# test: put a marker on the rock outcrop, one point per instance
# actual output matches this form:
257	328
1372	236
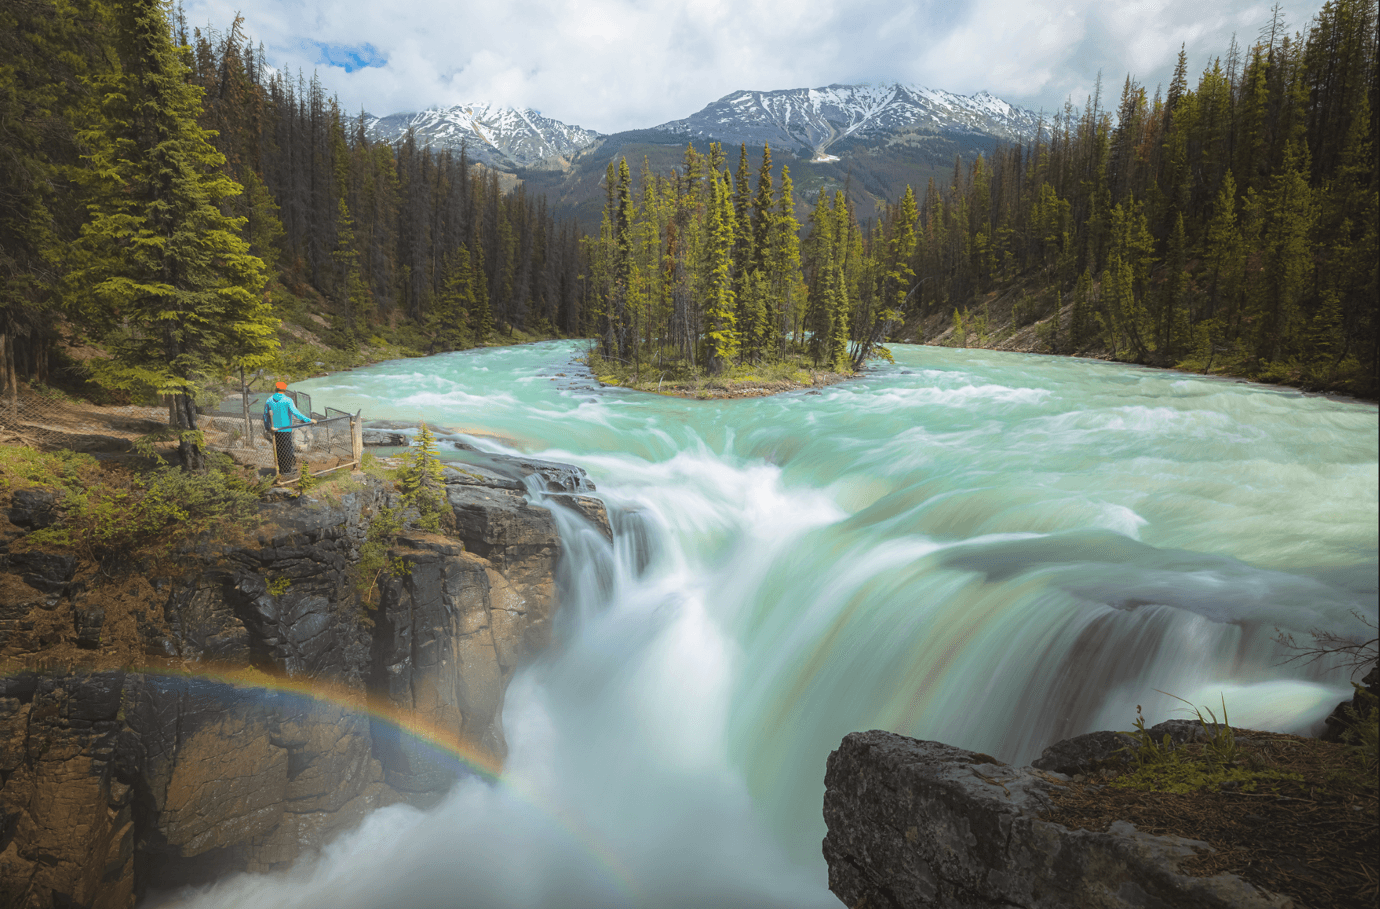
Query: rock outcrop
113	780
1340	720
923	824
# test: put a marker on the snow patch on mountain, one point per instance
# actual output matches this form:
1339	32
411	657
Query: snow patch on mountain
810	120
496	135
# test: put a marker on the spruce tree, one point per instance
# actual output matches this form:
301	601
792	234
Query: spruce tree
762	213
1172	327
1289	216
167	272
447	321
481	316
721	331
783	265
839	306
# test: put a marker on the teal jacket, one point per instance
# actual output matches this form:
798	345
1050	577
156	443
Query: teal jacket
279	411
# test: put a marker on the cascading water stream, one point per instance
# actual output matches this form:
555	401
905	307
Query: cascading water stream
996	551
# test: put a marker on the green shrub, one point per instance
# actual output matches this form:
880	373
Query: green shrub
55	470
125	514
373	563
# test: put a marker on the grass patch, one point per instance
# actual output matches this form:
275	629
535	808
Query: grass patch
1216	761
1293	815
111	516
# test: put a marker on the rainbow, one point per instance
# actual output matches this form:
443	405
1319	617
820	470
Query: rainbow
466	754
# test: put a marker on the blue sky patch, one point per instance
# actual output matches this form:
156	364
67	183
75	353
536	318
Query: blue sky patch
349	57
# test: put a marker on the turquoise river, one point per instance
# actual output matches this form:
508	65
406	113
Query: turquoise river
992	550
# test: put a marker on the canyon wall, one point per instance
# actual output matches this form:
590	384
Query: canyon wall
114	780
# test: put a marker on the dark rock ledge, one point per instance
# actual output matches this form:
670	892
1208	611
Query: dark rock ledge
922	824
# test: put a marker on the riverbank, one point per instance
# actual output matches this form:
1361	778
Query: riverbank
1022	320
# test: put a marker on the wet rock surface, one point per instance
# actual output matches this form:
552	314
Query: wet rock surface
1340	720
111	781
922	824
591	509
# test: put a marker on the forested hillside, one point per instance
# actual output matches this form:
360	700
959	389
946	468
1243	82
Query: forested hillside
1228	227
119	149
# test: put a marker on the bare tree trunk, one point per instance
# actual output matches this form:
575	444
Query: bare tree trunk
244	403
184	409
7	377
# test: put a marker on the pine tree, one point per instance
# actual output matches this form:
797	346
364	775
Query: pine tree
162	258
1289	215
1223	247
784	266
838	305
447	322
721	334
481	316
752	326
1080	321
350	296
762	214
1172	328
897	276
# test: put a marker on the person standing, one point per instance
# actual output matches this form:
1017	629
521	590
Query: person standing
278	414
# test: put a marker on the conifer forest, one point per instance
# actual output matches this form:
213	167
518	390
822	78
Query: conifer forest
173	195
1227	226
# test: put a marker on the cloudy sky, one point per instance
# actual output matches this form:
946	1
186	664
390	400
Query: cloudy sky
622	64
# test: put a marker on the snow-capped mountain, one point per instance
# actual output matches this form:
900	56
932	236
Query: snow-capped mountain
908	122
502	137
812	119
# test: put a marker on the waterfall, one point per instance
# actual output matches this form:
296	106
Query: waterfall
996	551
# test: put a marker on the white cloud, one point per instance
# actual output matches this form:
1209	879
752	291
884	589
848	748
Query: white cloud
622	64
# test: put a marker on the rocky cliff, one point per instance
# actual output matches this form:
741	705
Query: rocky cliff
923	824
112	780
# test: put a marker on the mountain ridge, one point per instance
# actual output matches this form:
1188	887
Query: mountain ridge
814	119
805	121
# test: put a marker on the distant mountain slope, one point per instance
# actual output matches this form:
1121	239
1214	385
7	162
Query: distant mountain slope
502	137
873	140
811	120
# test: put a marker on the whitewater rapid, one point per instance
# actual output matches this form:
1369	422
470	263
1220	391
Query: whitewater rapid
992	550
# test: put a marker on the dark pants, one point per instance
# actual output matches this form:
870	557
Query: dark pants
287	456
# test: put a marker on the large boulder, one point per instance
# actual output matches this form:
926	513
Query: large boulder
921	824
1340	720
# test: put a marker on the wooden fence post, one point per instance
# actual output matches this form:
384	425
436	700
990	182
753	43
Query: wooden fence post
357	440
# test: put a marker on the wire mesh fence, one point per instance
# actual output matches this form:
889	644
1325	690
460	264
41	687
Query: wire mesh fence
48	419
236	427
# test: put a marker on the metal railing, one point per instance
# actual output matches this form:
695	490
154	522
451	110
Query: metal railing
332	441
